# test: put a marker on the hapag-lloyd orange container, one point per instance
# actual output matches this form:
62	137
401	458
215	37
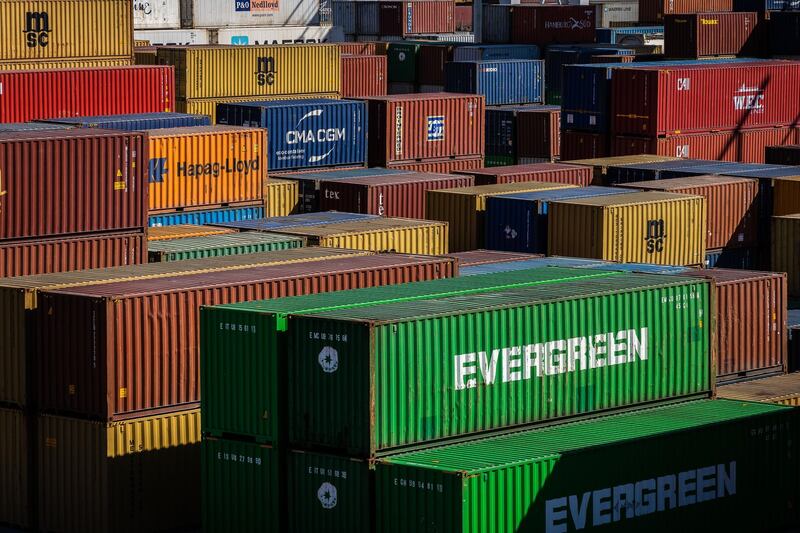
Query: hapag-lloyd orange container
206	166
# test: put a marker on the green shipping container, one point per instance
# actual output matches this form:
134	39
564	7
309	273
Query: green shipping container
243	346
367	381
401	59
219	245
710	465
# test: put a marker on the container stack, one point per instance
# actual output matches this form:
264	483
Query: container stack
388	20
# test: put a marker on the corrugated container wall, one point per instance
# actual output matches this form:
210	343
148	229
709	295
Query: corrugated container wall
543	172
182	231
583	145
142	121
504	82
363	75
414	17
212	14
247	242
786	195
15	484
212	216
494	52
654	10
543	25
208	106
617	13
785	244
157	14
282	198
368	19
711	34
66	64
783	390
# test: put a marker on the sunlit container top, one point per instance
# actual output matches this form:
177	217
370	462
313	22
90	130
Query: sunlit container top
139	121
293	221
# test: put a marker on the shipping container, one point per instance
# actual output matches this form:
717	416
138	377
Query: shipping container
653	11
560	55
464	209
463	15
518	222
783	390
345	15
219	245
32	126
402	62
543	25
210	14
140	121
600	166
415	17
542	262
158	14
136	475
412	127
98	387
616	13
617	174
364	75
391	195
793	338
208	106
15	465
40	94
640	227
174	37
360	49
494	52
786	194
440	166
431	61
741	258
496	24
225	214
784	32
145	55
259	35
785	244
501	82
294	221
603	473
282	198
182	231
487	257
203	72
42	170
711	34
305	133
731	209
583	145
54	30
65	64
775	155
369	418
368	19
579	176
767	6
620	34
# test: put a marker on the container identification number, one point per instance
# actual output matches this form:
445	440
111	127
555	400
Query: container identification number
419	485
327	472
242	328
236	458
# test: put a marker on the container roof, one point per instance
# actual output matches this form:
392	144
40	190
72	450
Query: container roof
609	200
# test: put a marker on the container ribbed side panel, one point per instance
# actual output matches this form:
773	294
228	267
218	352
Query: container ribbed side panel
14	472
13	347
460	213
282	197
363	75
786	194
430	239
785	244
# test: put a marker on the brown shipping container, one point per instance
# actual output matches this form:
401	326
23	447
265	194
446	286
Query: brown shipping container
363	75
440	166
28	257
583	145
611	59
654	10
15	501
710	34
786	195
118	350
785	244
545	25
487	257
539	133
58	182
543	172
731	209
431	59
182	231
392	195
751	322
413	127
416	17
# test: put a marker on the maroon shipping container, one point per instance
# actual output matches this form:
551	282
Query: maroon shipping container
753	143
675	99
463	16
109	351
487	257
539	133
578	175
751	322
413	127
363	76
24	258
440	166
393	195
59	182
654	10
38	94
583	145
431	59
416	17
543	25
731	209
711	34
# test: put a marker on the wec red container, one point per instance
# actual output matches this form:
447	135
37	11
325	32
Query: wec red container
38	94
416	17
363	75
440	166
580	176
413	127
584	145
115	349
711	34
675	99
24	258
545	25
654	10
58	182
392	195
753	143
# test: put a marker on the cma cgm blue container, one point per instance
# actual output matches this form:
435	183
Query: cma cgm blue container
211	216
518	222
294	221
136	122
305	133
493	52
615	35
511	81
501	129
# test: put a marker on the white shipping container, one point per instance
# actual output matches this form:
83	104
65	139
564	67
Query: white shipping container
248	13
284	35
181	37
610	14
344	15
156	14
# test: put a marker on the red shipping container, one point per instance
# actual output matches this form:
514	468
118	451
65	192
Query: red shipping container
394	195
711	34
416	17
363	76
545	25
487	257
539	133
431	59
38	94
722	146
59	182
580	176
463	16
753	143
115	349
25	258
654	10
413	127
358	49
440	166
675	99
583	145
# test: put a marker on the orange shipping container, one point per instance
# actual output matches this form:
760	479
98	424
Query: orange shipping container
786	192
206	166
363	75
785	246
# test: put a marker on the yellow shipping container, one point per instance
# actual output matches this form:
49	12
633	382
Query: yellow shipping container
208	106
400	235
641	227
228	71
786	249
139	43
786	195
48	65
784	390
14	504
464	209
136	475
182	231
206	166
600	164
47	30
282	198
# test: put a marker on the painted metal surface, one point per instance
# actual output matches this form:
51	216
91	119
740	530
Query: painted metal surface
219	245
559	56
515	266
208	106
159	14
402	61
487	52
415	17
654	10
31	126
566	174
305	133
741	258
784	35
711	34
294	221
785	244
211	216
529	131
543	25
524	481
600	166
259	35
496	24
583	145
366	361
440	166
173	37
502	82
210	14
140	121
783	390
617	174
786	194
617	13
282	198
753	143
182	231
15	482
432	60
364	75
486	257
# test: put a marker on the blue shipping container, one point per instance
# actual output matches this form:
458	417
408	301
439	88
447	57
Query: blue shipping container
518	222
501	129
305	133
610	35
512	81
494	52
294	221
136	122
211	216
